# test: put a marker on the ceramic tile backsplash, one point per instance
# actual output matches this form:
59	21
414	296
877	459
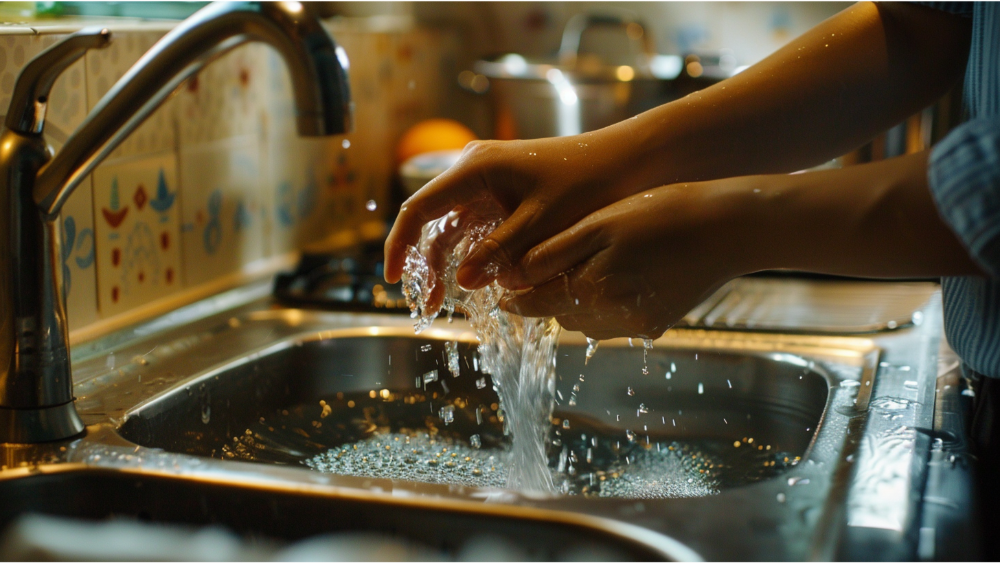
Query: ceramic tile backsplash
138	232
106	66
222	218
223	100
217	179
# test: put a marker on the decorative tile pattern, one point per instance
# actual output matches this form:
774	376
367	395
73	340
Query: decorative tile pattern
302	174
106	66
218	178
138	228
223	100
222	216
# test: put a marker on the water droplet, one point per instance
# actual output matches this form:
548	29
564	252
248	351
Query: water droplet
447	414
591	349
781	497
345	143
631	392
891	403
481	383
451	349
850	383
565	423
371	205
426	348
701	389
630	435
475	441
642	408
430	376
911	385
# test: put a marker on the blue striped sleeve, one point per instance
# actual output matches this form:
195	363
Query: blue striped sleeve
964	176
957	8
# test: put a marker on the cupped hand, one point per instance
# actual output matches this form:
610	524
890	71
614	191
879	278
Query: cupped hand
636	267
537	188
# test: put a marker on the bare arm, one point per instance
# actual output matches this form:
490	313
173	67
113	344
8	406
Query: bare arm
824	94
635	267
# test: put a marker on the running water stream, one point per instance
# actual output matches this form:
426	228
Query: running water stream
519	353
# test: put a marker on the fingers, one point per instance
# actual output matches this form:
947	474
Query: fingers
566	294
441	195
559	254
437	254
496	254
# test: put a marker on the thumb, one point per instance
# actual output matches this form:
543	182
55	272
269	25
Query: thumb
497	254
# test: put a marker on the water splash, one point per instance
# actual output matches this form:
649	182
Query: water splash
518	353
452	349
647	345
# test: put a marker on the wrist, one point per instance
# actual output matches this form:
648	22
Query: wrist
745	223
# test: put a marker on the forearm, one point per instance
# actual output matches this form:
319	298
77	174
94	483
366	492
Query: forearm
874	220
822	95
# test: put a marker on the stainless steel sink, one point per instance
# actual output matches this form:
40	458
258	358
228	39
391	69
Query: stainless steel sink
275	514
180	408
719	400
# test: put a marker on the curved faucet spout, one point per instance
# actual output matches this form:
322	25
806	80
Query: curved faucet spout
316	66
36	386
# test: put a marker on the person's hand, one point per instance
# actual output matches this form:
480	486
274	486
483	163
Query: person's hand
639	265
537	188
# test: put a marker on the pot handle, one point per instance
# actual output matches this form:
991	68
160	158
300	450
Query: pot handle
569	49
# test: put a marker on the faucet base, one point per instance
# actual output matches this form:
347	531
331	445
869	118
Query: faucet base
29	426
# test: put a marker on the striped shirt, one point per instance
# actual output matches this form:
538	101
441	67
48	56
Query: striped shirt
964	176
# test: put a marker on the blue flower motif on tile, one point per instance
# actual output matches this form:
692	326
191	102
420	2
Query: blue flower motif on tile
213	229
85	241
283	207
164	199
242	217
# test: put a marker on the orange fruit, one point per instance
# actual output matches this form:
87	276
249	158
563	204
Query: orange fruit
433	135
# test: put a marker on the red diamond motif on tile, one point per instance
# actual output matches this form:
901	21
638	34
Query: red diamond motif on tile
140	198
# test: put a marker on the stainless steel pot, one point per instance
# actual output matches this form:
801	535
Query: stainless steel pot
581	92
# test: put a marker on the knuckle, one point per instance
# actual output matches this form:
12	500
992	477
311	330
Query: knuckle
537	267
499	251
478	150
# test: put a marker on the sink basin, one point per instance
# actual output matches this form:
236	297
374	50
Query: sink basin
765	423
721	445
272	514
743	417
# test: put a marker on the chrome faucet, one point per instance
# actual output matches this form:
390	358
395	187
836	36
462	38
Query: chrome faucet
36	387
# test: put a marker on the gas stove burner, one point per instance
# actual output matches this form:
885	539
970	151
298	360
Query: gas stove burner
349	281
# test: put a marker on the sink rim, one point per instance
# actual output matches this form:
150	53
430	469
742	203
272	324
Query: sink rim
294	324
624	532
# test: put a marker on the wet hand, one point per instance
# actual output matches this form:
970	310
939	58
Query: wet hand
536	187
637	266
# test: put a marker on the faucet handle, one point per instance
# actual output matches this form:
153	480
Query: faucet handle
31	93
